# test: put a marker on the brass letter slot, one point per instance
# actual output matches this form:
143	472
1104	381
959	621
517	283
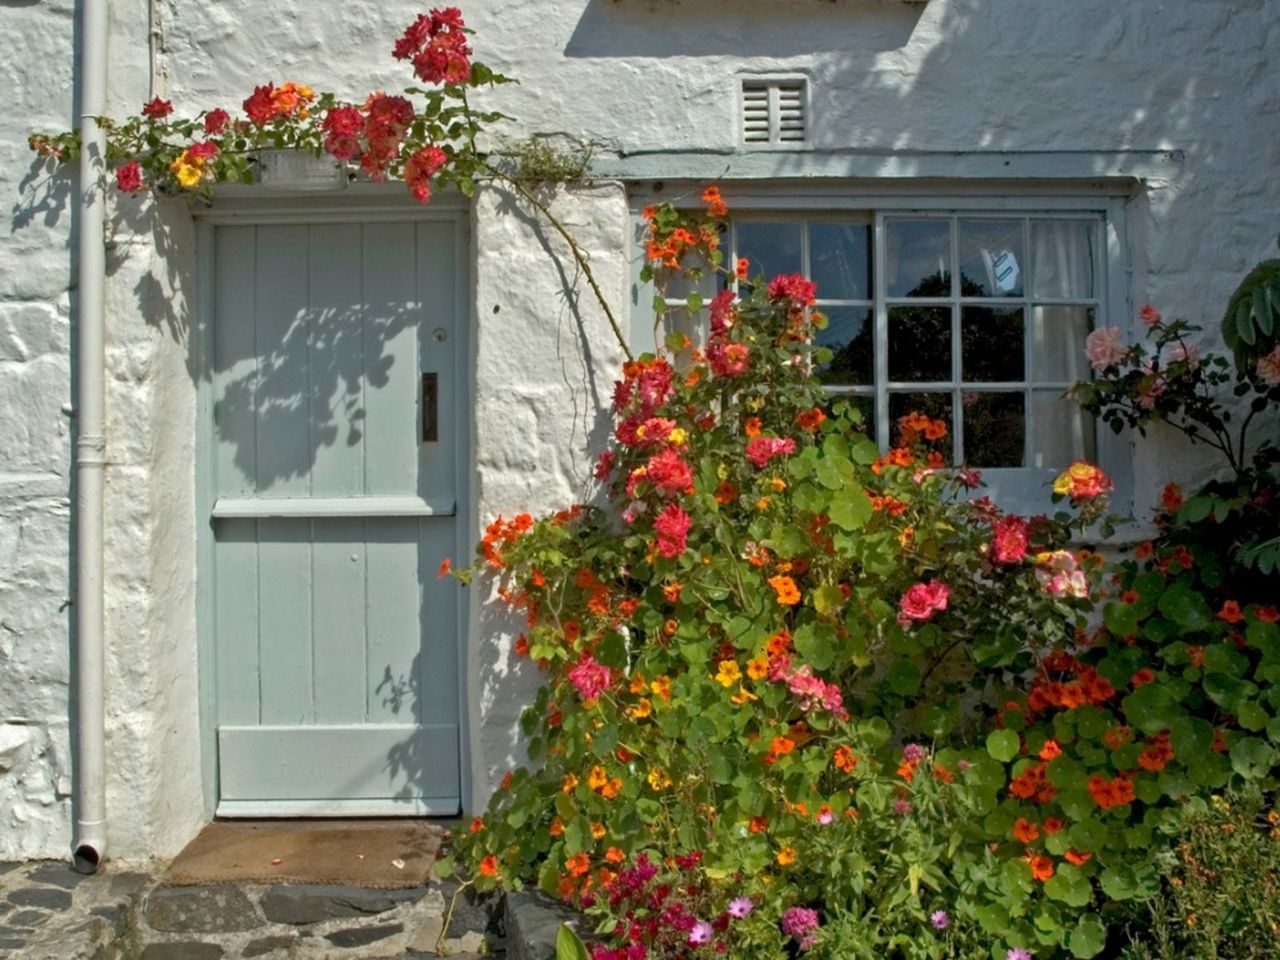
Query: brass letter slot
430	405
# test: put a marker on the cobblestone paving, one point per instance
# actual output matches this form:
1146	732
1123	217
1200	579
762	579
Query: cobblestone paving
49	912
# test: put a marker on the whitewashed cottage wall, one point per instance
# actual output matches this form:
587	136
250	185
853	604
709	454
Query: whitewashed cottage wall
1078	83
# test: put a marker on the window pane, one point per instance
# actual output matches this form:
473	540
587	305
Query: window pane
992	260
991	344
849	335
1062	258
919	343
840	259
1057	343
1063	432
994	429
934	405
918	257
678	286
772	248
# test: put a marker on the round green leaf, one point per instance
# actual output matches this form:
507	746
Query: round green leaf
1003	745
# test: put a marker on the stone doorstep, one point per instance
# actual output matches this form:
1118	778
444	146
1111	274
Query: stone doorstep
110	916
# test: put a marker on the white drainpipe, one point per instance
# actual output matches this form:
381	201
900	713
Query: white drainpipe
89	776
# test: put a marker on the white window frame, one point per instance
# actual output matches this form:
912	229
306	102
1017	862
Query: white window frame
1019	490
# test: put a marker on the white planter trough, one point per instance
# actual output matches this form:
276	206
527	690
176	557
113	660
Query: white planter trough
300	170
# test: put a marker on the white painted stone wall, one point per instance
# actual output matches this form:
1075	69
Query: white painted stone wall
634	76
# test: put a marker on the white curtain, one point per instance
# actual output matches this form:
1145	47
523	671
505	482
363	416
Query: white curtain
1062	268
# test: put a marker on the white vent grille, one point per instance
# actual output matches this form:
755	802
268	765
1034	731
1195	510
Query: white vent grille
774	111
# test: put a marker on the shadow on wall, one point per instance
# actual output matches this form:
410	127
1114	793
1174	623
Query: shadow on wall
738	28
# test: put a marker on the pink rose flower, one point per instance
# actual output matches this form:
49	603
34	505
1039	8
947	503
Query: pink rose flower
1009	544
922	600
1105	348
1268	367
760	450
1149	314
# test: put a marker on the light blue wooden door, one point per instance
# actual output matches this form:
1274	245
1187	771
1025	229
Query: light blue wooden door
334	465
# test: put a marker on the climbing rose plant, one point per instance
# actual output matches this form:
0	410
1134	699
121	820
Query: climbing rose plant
424	136
806	696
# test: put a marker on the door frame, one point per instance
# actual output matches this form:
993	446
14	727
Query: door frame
361	204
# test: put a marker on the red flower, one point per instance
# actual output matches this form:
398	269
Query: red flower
129	177
342	126
1142	677
1267	614
1230	612
793	287
202	151
419	170
215	121
1171	499
1009	543
157	109
671	526
259	105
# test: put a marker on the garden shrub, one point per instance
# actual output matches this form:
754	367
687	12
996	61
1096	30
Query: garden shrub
789	672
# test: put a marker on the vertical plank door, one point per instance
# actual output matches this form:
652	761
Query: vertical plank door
336	646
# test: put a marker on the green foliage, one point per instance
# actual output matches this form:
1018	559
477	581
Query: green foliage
1221	894
1251	323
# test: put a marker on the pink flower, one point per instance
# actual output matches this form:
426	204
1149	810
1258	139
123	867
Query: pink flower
793	287
760	450
728	359
1150	387
922	601
1105	348
671	526
591	678
801	923
1268	367
701	933
1149	314
129	177
740	907
1059	575
669	475
1183	353
1009	545
215	121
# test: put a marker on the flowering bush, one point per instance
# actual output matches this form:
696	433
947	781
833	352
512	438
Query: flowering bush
786	672
385	136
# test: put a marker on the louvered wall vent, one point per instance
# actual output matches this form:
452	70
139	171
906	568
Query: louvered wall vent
774	111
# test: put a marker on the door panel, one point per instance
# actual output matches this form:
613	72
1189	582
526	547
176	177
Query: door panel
336	646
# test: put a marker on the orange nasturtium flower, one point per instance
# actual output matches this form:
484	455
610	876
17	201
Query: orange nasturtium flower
844	759
786	856
1024	831
785	587
1041	867
578	864
489	866
570	781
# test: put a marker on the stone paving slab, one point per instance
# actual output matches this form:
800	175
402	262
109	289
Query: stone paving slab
48	912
